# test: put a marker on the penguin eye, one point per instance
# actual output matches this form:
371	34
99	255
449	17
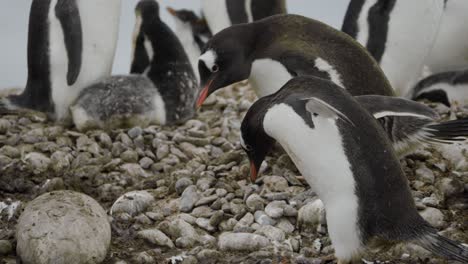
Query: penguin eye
215	68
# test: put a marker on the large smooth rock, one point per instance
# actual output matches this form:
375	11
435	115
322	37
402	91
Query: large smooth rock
63	227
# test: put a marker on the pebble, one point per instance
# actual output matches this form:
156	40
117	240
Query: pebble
242	242
5	247
4	126
188	199
271	232
254	202
135	132
132	203
143	258
312	214
450	187
156	237
37	162
206	200
425	174
205	183
286	226
209	256
162	152
146	163
433	216
275	209
275	183
205	224
45	235
263	219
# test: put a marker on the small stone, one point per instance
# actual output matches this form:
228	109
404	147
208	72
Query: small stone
37	162
433	216
254	202
129	156
155	216
204	223
206	200
313	213
162	151
450	187
132	203
4	126
272	233
263	219
10	152
105	140
135	132
241	242
245	221
221	192
44	234
275	209
143	219
185	242
286	226
209	256
425	174
188	199
216	218
5	247
134	170
156	237
143	258
146	163
202	211
182	184
205	183
275	183
60	161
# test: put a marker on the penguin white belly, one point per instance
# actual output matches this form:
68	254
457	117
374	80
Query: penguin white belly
450	50
185	35
267	76
100	24
319	155
408	43
216	15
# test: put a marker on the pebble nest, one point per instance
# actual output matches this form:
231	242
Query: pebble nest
182	194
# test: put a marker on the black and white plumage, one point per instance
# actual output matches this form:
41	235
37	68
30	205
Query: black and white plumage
410	124
71	45
273	50
161	91
399	42
449	88
222	14
347	159
193	32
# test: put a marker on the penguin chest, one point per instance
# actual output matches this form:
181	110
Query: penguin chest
267	76
320	156
216	14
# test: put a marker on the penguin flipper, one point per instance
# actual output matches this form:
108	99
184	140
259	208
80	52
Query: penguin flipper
69	16
317	106
444	247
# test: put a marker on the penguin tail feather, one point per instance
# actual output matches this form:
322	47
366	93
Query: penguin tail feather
447	132
444	247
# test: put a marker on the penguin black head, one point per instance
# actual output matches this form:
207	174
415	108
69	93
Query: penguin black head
226	59
148	10
255	142
184	15
199	25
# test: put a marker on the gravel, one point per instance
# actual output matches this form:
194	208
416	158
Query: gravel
183	195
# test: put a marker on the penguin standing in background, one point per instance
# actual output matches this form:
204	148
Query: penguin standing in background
347	159
193	33
448	88
398	33
273	50
162	89
410	124
450	50
71	45
222	14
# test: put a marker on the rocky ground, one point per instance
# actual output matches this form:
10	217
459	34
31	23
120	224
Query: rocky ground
182	194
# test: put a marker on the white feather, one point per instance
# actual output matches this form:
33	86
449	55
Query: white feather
267	76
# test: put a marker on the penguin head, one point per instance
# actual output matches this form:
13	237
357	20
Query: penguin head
186	17
148	10
183	15
226	59
254	140
437	95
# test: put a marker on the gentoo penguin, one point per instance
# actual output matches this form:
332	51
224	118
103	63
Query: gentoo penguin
446	87
273	50
410	124
450	50
193	33
163	93
398	33
348	160
71	45
221	14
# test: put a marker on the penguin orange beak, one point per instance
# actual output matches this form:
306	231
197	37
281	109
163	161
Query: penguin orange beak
253	171
204	94
172	11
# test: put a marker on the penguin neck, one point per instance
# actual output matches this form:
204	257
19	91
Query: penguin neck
189	41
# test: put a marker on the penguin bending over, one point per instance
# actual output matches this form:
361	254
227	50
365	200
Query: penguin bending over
399	34
161	91
222	14
71	45
448	88
340	149
193	33
410	124
273	50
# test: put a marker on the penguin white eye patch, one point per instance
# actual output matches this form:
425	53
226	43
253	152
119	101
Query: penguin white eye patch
209	58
